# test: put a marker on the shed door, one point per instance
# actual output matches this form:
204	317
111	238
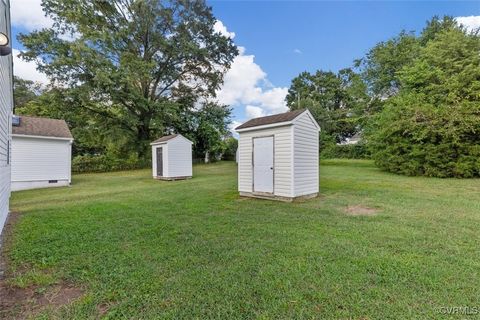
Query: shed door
159	162
263	164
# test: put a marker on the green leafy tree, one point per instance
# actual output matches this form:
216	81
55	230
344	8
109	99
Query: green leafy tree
432	127
93	134
435	26
231	148
25	91
380	65
131	63
333	99
209	129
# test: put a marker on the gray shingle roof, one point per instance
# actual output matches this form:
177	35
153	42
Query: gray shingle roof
45	127
276	118
165	138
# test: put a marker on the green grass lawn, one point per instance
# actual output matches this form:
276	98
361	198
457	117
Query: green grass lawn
143	249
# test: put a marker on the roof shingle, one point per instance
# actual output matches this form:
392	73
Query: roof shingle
276	118
165	138
45	127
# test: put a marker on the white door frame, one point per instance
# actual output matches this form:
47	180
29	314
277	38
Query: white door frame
273	165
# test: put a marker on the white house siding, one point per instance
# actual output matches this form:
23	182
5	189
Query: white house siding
179	157
35	161
6	105
282	159
305	156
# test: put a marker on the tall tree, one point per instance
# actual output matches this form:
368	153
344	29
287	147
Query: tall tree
25	91
333	99
132	62
435	26
209	129
380	65
93	134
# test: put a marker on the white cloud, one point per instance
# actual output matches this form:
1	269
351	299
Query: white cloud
29	14
254	112
27	70
297	51
471	22
221	28
246	84
240	81
233	125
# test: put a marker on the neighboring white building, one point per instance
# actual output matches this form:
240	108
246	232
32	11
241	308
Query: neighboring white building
41	153
172	158
278	156
355	139
6	106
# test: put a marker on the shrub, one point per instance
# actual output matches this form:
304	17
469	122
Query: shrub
419	139
106	163
348	151
432	127
230	149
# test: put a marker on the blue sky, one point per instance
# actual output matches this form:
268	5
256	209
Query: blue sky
330	35
287	38
280	39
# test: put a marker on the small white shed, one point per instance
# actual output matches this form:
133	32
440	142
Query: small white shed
41	153
172	158
278	156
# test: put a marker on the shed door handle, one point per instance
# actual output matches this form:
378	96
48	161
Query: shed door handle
271	168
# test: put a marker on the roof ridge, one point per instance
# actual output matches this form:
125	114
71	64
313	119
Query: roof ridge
270	119
167	137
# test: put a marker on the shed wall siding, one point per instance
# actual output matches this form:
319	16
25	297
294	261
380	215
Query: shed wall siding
179	158
282	159
6	105
40	160
306	143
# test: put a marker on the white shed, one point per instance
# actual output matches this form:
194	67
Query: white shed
172	158
41	153
278	156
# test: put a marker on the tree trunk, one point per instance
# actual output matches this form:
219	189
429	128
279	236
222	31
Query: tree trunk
143	139
207	157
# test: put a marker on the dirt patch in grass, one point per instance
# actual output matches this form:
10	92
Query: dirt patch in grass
23	303
102	309
359	210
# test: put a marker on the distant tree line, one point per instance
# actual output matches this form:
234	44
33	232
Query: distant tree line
125	72
415	99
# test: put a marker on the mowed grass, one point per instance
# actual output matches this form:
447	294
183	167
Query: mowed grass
146	249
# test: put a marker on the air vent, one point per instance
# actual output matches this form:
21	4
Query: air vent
16	121
52	181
